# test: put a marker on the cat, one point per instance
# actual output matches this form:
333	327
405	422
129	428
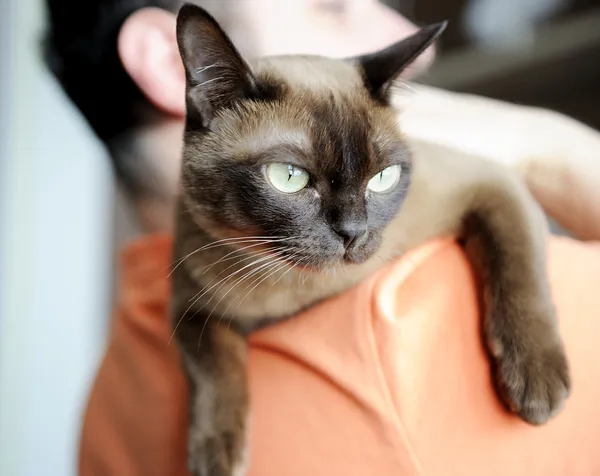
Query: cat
296	166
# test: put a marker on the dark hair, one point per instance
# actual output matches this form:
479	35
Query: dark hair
80	48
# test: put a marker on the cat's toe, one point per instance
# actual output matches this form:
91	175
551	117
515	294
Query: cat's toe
214	456
534	383
206	457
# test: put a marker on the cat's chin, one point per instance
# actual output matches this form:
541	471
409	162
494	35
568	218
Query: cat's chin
323	262
347	260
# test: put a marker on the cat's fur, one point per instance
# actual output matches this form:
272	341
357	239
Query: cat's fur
332	118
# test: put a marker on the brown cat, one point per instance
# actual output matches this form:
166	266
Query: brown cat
295	166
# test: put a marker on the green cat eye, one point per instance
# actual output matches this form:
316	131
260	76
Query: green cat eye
385	180
287	178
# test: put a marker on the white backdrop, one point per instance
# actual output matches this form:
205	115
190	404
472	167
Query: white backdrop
55	237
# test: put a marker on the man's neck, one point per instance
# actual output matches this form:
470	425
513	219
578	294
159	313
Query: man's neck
158	146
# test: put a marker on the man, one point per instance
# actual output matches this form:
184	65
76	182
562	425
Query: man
387	379
118	61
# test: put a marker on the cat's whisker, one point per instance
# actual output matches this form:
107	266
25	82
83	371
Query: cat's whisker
244	256
208	81
269	271
265	268
258	281
203	292
273	256
255	262
210	66
283	265
283	275
239	250
279	265
276	270
269	254
237	283
225	242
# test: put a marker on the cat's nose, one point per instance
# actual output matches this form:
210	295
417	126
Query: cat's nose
351	232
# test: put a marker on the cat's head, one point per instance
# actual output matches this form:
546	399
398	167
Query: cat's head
304	150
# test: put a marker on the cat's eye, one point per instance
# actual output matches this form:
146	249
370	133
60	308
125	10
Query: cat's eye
287	178
385	180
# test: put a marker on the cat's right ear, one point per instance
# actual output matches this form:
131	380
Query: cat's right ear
216	73
379	69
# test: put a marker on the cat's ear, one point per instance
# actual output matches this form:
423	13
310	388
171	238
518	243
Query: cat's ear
379	69
216	73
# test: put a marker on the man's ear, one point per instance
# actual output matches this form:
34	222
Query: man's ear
379	69
147	46
216	74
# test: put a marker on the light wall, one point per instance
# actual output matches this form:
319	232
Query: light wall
55	256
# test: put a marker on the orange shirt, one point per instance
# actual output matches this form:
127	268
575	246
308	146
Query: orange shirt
389	379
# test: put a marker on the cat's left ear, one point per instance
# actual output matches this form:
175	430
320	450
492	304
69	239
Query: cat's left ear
379	69
216	73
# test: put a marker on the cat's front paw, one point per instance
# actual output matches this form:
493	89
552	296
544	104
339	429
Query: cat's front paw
532	373
215	456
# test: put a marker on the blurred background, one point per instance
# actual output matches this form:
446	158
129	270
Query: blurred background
63	220
538	52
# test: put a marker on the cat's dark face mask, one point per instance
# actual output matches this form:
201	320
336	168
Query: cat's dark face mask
302	150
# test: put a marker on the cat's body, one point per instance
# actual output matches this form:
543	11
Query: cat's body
252	250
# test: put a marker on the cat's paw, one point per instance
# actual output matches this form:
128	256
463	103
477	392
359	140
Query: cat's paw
215	456
532	374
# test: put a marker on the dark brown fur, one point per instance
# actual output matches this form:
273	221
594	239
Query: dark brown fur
331	118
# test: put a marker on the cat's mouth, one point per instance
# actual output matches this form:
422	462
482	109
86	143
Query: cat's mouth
355	256
324	260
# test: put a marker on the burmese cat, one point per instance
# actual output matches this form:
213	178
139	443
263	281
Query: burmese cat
295	166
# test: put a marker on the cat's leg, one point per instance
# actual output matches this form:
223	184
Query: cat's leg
452	192
506	235
215	364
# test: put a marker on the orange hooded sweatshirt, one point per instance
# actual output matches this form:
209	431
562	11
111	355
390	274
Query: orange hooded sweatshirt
388	379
